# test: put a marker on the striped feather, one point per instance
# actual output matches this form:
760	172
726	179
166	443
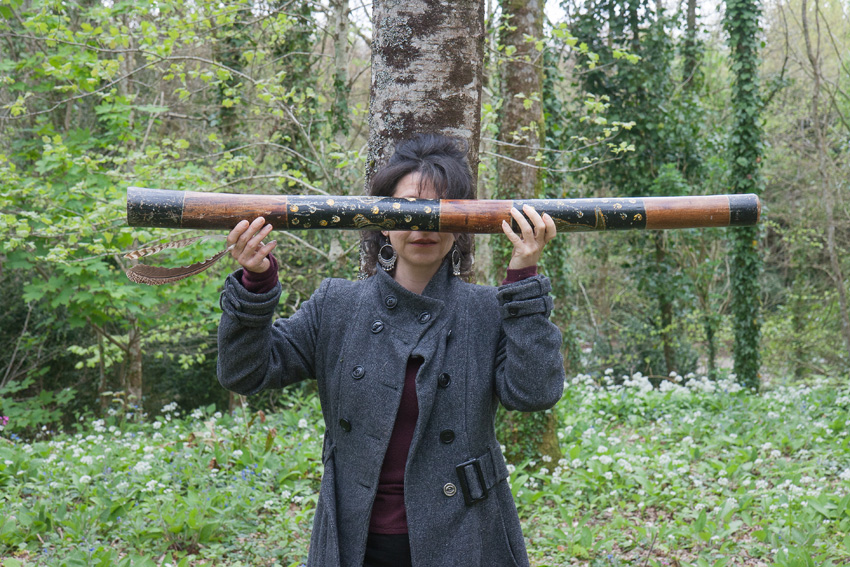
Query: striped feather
154	275
148	250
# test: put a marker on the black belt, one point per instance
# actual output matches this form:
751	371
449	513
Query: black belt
479	475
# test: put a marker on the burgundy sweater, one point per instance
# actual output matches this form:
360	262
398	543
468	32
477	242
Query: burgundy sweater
388	511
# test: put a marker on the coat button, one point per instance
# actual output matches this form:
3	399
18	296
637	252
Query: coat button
449	489
444	380
512	311
424	317
345	425
377	327
391	301
358	372
447	436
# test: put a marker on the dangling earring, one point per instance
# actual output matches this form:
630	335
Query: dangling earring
456	259
387	257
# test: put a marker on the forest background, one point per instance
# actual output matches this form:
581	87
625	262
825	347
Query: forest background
705	418
273	98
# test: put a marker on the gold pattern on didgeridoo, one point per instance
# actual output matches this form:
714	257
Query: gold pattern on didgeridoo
375	210
335	218
363	223
323	223
618	206
294	208
638	217
295	221
330	202
396	206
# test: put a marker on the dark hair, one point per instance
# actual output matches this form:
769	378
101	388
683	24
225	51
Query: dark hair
441	164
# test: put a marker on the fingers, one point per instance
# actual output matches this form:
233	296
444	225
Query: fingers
248	248
541	228
535	232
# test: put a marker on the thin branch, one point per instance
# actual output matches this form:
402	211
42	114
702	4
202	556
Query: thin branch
11	364
272	176
563	170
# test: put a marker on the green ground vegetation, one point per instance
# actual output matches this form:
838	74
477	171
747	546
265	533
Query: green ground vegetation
685	472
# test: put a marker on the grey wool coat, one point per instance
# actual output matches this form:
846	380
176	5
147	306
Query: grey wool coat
479	346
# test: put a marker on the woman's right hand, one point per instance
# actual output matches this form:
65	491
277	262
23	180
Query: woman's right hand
248	248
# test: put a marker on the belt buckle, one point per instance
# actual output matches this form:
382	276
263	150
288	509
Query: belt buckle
464	484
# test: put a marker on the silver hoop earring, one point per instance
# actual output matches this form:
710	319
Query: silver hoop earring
456	259
387	257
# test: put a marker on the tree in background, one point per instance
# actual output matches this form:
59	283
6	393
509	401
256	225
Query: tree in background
806	163
520	175
742	24
665	158
427	62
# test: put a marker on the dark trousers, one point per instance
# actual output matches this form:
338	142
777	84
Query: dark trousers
388	551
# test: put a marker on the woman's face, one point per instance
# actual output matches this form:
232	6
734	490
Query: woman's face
419	253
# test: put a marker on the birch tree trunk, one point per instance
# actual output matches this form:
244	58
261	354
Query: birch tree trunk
427	64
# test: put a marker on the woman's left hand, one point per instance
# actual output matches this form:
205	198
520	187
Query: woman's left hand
528	246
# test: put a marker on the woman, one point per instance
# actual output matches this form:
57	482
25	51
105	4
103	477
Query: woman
411	363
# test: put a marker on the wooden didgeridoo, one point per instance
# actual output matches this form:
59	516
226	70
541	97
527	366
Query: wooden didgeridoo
197	210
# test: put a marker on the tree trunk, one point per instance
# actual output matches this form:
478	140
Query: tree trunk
340	121
521	120
741	20
521	130
691	51
133	376
102	386
427	64
665	304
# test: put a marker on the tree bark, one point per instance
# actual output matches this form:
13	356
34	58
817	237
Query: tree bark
521	126
427	65
665	306
691	52
340	121
521	135
133	377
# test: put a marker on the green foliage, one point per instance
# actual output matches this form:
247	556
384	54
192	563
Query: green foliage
695	469
742	24
97	97
28	414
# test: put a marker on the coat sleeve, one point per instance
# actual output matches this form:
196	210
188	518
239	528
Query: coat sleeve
529	365
255	353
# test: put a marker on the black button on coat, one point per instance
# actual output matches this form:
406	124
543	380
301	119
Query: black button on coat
501	351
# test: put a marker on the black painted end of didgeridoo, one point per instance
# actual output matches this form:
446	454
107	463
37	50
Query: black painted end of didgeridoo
154	207
744	210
